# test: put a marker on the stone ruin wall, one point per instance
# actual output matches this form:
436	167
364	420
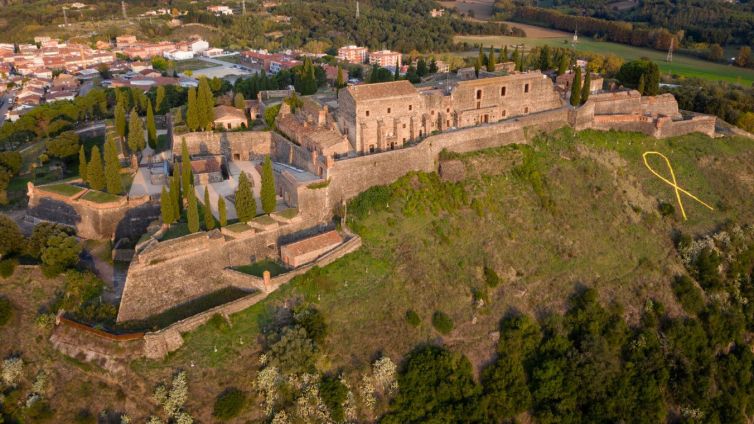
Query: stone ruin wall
128	218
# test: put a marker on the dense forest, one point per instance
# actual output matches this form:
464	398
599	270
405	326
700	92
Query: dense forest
399	25
709	21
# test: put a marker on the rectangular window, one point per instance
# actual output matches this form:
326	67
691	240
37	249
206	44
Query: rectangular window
410	107
367	113
526	88
388	110
502	91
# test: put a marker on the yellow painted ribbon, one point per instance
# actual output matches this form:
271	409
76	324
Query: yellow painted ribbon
672	182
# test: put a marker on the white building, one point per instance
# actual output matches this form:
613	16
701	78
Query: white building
179	55
199	46
213	52
220	10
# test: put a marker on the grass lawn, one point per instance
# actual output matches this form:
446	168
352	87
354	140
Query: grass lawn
238	227
579	210
289	213
257	268
62	189
176	230
192	65
264	220
101	197
235	59
682	65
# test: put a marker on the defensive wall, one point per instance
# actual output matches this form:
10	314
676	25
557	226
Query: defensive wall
171	273
124	218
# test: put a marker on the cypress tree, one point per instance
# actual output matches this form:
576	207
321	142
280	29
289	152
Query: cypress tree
166	207
151	127
586	88
481	57
222	211
187	179
563	66
239	102
576	87
120	118
209	220
642	85
112	168
95	171
135	132
205	102
477	67
504	54
159	102
192	213
514	58
192	114
82	164
246	206
433	66
268	187
340	80
175	196
491	60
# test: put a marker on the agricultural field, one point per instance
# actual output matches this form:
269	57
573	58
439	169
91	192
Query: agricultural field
192	65
682	65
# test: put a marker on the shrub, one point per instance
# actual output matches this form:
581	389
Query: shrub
688	294
666	209
11	239
7	266
413	318
219	323
313	322
229	404
491	277
6	311
84	416
442	322
59	253
333	393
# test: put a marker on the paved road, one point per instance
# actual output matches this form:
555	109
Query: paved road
4	108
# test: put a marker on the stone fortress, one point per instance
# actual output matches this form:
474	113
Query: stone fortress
327	150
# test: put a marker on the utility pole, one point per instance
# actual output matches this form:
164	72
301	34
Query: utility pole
243	7
65	17
670	51
357	9
123	7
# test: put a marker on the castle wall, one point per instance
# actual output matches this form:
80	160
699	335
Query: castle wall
97	221
242	145
616	103
664	104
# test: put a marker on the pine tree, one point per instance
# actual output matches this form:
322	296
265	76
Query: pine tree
166	207
192	113
433	66
151	127
209	220
586	88
576	87
95	172
268	187
246	206
421	67
239	102
642	85
397	71
187	179
221	211
491	60
112	168
192	213
82	165
159	102
120	119
135	132
175	196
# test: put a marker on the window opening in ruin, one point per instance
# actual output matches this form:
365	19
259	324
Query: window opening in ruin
502	91
526	88
486	119
371	148
236	156
526	109
479	94
410	107
367	113
478	105
388	110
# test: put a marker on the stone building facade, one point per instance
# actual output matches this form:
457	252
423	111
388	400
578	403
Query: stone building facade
380	117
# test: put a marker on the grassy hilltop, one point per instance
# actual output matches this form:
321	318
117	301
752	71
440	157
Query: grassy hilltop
523	229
